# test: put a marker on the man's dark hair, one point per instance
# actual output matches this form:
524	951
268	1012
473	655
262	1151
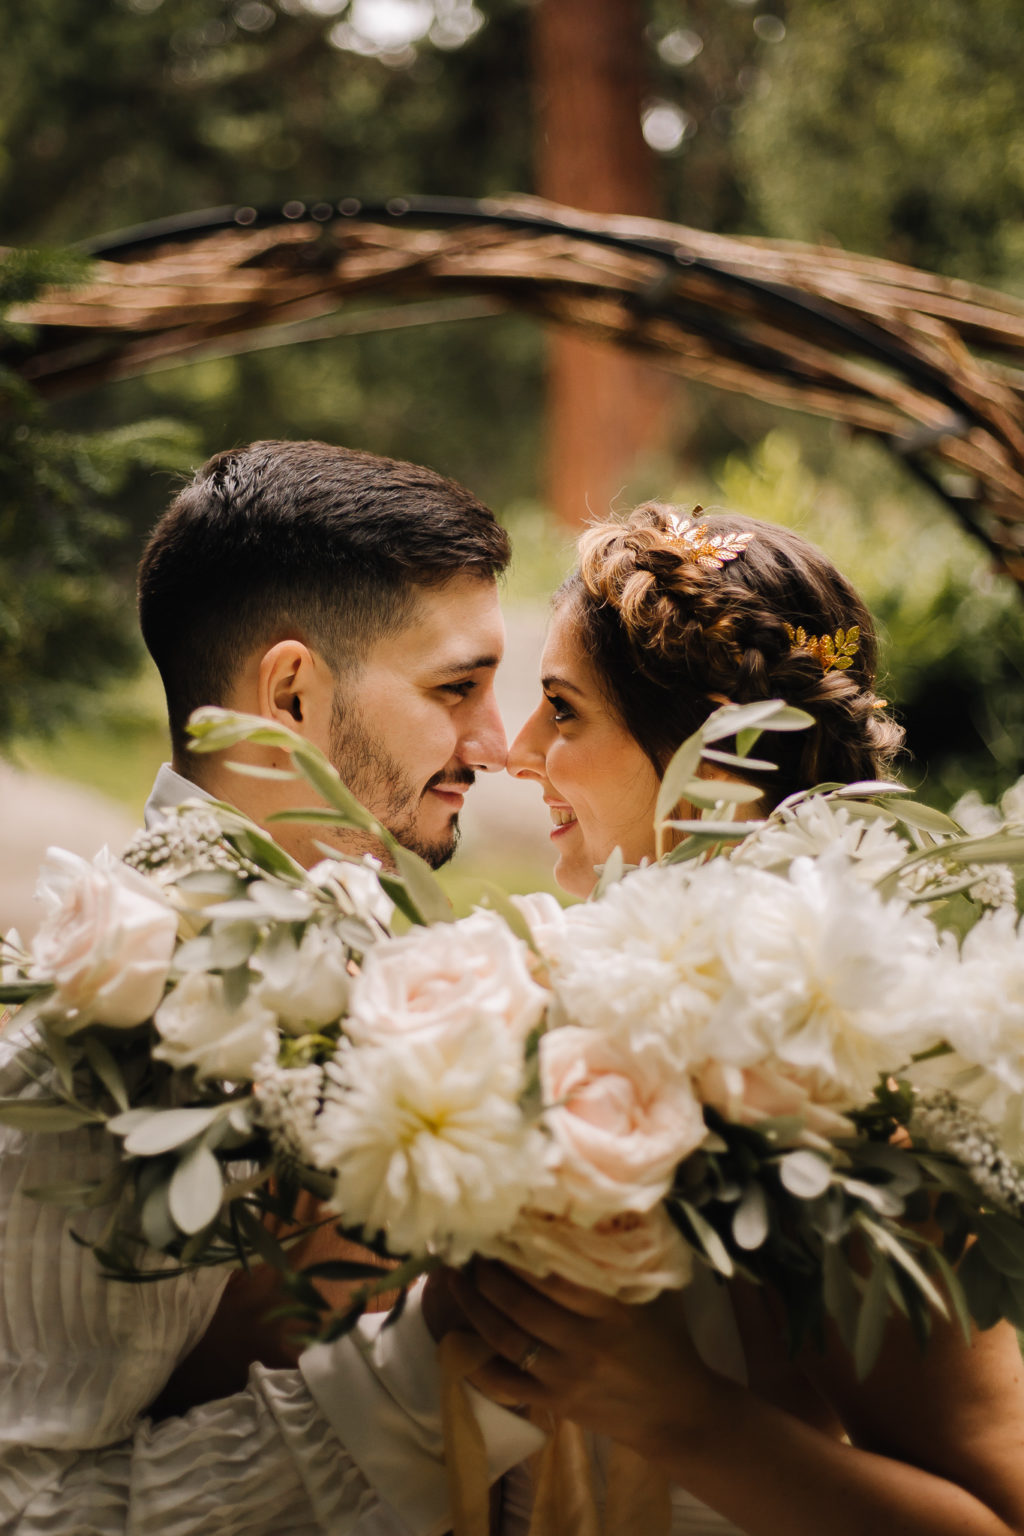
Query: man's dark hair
298	539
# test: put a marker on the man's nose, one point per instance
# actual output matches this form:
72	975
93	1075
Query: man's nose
484	745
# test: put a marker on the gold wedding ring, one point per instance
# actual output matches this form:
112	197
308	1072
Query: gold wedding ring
530	1356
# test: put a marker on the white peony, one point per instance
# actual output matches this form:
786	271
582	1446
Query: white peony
306	984
815	826
444	980
633	1257
105	943
1012	804
545	917
199	1028
644	962
620	1124
355	887
427	1141
827	980
984	1005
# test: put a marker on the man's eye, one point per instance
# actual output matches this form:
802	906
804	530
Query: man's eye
459	689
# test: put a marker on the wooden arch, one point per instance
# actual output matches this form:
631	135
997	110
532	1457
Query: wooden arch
932	366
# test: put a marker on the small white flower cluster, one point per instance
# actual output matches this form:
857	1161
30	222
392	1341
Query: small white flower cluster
816	826
287	1103
948	1125
183	841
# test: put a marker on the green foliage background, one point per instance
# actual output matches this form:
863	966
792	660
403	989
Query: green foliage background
893	130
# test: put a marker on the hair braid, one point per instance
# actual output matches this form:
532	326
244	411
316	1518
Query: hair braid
673	637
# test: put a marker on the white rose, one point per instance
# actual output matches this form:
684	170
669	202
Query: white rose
355	887
305	984
773	1091
545	917
620	1123
198	1028
446	979
634	1256
105	943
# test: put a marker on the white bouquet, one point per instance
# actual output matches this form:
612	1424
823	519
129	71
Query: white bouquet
779	1062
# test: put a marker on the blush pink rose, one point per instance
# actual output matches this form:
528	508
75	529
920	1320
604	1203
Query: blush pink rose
105	943
620	1122
633	1257
770	1091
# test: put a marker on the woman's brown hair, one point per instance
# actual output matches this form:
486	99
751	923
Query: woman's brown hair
673	638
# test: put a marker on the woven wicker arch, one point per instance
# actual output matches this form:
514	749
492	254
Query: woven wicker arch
933	367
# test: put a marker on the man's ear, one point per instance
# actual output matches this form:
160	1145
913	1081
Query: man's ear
295	688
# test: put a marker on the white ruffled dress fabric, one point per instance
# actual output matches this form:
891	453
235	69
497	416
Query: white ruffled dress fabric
81	1358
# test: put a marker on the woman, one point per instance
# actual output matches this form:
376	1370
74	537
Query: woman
665	620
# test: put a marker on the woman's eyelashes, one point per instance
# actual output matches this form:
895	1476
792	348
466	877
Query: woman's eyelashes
560	709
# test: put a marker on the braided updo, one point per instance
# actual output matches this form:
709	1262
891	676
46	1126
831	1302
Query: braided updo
671	640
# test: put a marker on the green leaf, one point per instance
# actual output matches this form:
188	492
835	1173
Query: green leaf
708	1239
317	816
196	1190
165	1129
158	1227
732	760
746	741
106	1068
46	1115
681	769
955	1292
424	888
896	1250
497	900
612	873
262	771
874	1311
59	1052
715	831
750	1219
805	1174
925	819
260	1240
341	1269
765	715
840	1292
982	1286
1002	1241
78	1194
712	792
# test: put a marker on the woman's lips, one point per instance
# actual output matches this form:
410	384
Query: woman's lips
563	816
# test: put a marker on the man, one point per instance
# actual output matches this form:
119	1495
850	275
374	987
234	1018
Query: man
354	599
349	597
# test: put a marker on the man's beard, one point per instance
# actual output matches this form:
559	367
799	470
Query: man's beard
378	782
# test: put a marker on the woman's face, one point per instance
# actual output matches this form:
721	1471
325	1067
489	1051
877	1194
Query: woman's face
600	786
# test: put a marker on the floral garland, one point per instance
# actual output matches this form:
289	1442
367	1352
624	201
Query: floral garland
779	1063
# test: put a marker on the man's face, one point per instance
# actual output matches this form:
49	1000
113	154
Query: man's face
419	717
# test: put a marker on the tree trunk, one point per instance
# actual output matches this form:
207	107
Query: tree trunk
605	407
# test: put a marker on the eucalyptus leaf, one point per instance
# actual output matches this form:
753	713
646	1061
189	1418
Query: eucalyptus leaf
155	1218
1001	1240
262	771
982	1286
897	1251
840	1292
341	1269
750	1224
708	1239
59	1052
46	1115
732	760
925	819
232	945
78	1194
166	1129
195	1190
317	816
259	1238
681	769
954	1291
712	792
765	715
424	888
868	788
874	1310
497	900
611	873
217	883
715	831
805	1174
107	1069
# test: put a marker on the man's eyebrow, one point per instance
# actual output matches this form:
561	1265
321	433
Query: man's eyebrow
552	682
460	668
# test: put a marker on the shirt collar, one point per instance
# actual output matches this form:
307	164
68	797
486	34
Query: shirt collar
170	789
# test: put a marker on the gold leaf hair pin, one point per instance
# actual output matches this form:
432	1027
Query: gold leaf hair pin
707	549
833	652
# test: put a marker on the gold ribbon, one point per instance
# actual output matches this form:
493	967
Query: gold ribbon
637	1496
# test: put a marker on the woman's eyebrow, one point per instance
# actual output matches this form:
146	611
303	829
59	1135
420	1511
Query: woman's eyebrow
560	682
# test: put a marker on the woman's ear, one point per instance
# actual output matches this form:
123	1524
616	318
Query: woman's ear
295	689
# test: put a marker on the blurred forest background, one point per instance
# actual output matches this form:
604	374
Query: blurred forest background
891	130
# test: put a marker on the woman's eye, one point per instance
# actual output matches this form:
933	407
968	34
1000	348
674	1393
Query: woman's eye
560	709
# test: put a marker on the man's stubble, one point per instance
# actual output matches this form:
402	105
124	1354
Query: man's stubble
377	780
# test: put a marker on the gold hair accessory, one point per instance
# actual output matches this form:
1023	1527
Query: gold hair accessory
834	652
708	550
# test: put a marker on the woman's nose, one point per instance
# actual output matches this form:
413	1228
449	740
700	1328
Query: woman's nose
527	754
